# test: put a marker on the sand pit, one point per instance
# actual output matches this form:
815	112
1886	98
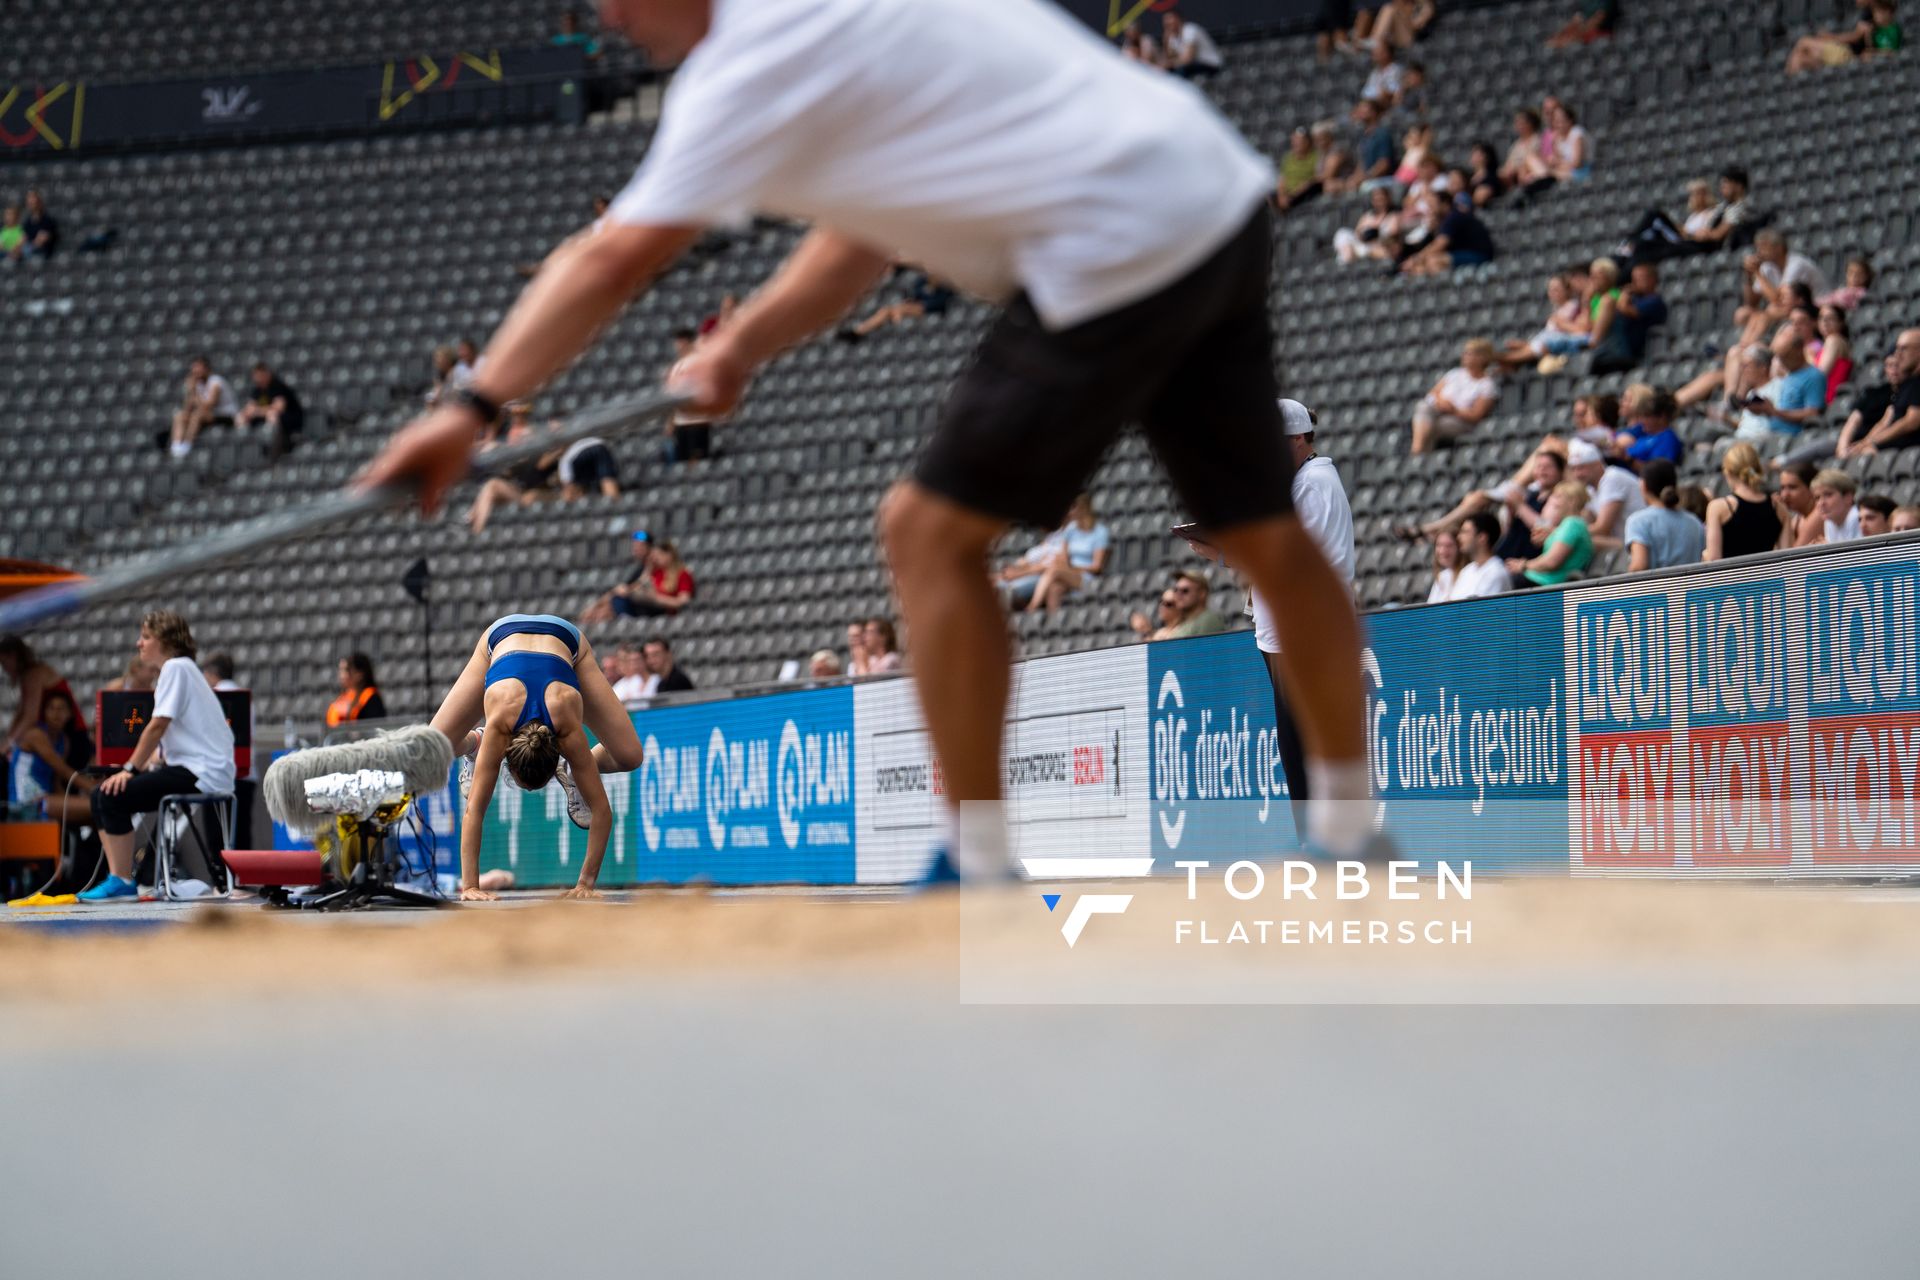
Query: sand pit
1534	940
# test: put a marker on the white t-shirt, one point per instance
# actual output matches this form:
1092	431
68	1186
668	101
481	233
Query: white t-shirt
1575	141
1847	531
998	144
1464	391
1488	578
1617	484
198	739
1321	503
1382	82
1800	269
225	405
1194	37
1442	589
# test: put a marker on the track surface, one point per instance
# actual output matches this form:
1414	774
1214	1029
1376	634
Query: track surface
786	1088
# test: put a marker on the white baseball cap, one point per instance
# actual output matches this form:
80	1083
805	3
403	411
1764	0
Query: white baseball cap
1296	418
1581	453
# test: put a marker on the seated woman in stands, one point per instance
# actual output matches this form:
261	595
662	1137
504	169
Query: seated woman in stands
52	754
1375	237
32	679
1876	32
527	699
1566	329
1085	546
1829	342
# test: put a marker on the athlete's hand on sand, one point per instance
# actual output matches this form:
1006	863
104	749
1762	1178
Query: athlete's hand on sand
582	892
433	451
713	375
478	895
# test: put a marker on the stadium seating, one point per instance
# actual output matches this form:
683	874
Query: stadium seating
344	263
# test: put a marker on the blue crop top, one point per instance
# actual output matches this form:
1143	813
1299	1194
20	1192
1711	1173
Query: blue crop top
536	671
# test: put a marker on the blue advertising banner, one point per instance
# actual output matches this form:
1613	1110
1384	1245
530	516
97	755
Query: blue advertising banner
752	791
1466	739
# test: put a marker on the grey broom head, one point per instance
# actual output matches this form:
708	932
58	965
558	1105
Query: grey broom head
420	752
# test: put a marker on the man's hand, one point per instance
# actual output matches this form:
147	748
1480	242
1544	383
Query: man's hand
115	783
473	893
1516	565
714	375
432	452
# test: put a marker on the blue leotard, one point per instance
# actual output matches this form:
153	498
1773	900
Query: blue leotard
533	669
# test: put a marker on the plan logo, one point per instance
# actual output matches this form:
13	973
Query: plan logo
1087	905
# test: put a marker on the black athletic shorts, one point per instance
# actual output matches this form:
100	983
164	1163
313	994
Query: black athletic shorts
692	441
1027	423
594	464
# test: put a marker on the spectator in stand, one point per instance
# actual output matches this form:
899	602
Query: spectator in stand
1876	514
1186	49
1482	572
1660	535
663	673
218	668
1184	610
1384	81
448	374
1446	566
1299	171
1650	437
1622	323
359	697
1798	511
33	679
824	665
1456	238
13	236
1615	492
659	585
525	484
206	400
629	673
925	295
1414	97
53	751
1373	144
1484	183
1419	169
571	36
1602	289
1592	20
138	676
1571	159
588	465
1460	401
39	230
1766	295
275	405
1854	291
187	726
1523	497
1526	168
1896	426
1564	541
1076	564
1135	46
1330	28
1830	347
1905	520
1777	411
1596	419
1339	173
872	648
1706	227
1877	32
1566	330
1376	236
1833	493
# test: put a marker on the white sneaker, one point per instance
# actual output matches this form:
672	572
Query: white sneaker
576	803
464	777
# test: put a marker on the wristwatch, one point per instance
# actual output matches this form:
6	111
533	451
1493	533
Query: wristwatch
467	398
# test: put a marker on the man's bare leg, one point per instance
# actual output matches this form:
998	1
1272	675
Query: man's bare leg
938	551
1320	656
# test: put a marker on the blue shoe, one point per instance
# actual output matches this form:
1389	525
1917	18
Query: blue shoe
941	871
110	889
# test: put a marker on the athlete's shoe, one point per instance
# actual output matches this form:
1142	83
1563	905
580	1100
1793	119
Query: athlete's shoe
940	872
577	808
111	889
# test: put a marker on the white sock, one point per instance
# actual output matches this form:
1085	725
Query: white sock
1339	807
181	448
977	840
